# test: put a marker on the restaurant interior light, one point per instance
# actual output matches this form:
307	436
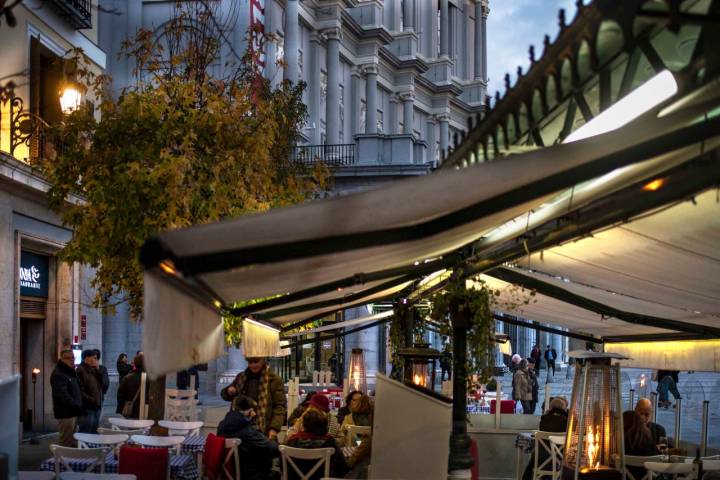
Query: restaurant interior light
650	94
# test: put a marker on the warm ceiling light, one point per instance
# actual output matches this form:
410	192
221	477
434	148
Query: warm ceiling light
650	94
654	185
168	267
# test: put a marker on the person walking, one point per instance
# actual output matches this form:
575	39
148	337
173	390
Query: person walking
550	356
667	382
535	356
123	367
66	396
128	390
522	388
90	379
446	364
534	386
260	383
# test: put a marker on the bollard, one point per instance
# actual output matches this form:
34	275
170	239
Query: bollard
654	399
632	399
704	433
678	411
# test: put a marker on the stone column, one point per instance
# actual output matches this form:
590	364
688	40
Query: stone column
485	13
409	16
408	100
444	28
431	137
314	86
356	94
444	120
392	125
371	72
292	33
332	113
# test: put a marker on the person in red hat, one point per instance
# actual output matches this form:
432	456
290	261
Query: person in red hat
321	403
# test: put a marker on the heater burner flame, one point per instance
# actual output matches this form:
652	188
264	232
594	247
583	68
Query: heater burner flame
592	442
418	380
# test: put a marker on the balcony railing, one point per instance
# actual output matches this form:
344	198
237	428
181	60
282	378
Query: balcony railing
77	12
339	155
24	135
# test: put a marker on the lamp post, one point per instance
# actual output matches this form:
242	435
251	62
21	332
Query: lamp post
460	460
35	373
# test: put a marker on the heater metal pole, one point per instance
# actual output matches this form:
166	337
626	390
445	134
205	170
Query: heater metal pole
654	398
620	428
704	434
547	398
581	422
632	399
678	411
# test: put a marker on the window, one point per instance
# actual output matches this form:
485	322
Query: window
439	32
300	65
280	50
380	126
342	113
363	115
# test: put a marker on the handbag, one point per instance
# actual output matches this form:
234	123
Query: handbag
127	409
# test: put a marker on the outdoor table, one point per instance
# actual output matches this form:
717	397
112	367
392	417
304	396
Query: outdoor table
680	468
130	423
182	467
95	476
194	445
95	441
177	427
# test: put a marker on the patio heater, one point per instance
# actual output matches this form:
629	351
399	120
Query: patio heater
419	364
357	376
594	447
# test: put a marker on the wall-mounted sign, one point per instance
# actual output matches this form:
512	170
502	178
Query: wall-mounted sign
83	327
33	274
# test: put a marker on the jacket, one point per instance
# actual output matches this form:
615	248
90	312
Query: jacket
123	369
338	465
104	379
550	354
522	388
256	451
276	409
66	395
127	389
90	386
534	385
554	420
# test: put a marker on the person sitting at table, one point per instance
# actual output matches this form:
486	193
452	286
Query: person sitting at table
361	411
129	388
644	408
321	403
314	434
638	440
553	420
345	409
300	409
256	450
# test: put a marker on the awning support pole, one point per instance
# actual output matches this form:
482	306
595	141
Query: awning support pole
704	426
460	460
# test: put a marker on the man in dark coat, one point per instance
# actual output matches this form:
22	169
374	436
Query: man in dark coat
256	451
91	388
644	408
263	385
534	386
104	377
550	357
535	355
67	399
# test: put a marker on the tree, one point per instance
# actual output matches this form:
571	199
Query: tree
193	140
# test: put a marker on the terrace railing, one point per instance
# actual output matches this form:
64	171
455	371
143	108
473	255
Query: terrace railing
77	12
339	155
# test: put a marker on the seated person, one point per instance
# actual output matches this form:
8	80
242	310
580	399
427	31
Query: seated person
644	408
320	403
345	409
300	409
554	420
638	440
361	411
315	435
256	450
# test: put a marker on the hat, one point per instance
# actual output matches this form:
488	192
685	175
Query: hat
320	402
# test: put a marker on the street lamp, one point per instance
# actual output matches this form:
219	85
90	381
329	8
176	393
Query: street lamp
419	365
71	97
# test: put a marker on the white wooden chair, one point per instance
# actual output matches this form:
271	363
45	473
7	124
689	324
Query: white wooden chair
352	431
180	405
288	456
115	431
233	446
63	454
551	465
639	461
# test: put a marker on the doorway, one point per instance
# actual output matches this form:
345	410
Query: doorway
32	354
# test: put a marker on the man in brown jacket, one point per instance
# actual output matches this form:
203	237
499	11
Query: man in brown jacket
90	378
264	386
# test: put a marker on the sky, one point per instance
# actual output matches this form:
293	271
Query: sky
514	25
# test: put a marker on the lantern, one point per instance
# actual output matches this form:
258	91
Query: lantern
71	97
419	364
357	376
594	444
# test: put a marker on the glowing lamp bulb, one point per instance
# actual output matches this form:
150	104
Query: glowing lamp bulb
70	99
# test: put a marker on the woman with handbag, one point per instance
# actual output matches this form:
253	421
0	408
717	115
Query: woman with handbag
128	394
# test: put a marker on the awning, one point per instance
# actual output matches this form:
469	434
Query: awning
400	226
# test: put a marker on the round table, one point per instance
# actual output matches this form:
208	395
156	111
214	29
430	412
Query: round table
187	428
94	440
130	423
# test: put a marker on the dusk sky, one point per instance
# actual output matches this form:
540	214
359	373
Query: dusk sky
514	25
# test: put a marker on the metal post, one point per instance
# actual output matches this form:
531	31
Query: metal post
498	402
654	399
678	411
704	426
632	398
581	423
460	461
547	398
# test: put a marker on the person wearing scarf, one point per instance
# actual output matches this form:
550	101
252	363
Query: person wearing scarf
264	386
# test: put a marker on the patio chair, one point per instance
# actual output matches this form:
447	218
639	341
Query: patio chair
232	457
639	461
289	455
114	431
550	465
180	405
145	463
65	455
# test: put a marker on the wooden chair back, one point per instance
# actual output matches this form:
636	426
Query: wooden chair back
62	454
288	456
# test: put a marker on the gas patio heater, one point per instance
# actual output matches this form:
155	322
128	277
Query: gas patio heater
594	446
419	364
357	376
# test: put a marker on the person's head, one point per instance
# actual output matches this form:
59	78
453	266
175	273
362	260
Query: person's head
548	347
89	357
98	354
516	359
245	405
530	363
635	429
139	352
353	396
557	403
139	362
364	405
255	364
308	397
523	364
122	358
315	422
564	402
320	402
67	357
644	408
